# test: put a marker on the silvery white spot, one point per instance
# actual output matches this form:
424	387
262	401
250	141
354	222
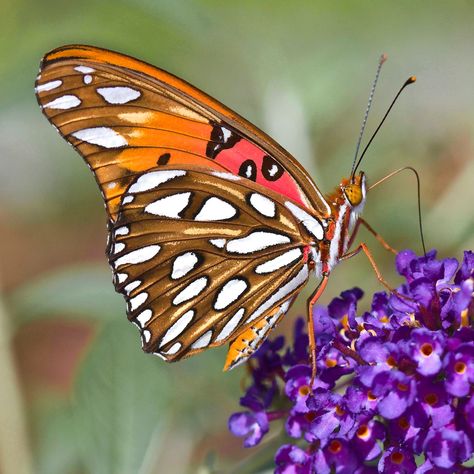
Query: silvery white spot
279	262
203	341
84	69
102	136
191	291
118	95
144	317
219	243
87	79
127	199
229	293
138	256
48	86
256	241
228	176
111	185
153	179
273	170
173	349
215	209
248	171
183	264
312	225
263	205
169	206
146	335
281	293
119	247
121	277
124	230
230	325
64	102
177	328
131	286
226	134
137	301
161	356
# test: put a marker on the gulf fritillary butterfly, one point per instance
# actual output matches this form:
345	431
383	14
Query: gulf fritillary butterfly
213	228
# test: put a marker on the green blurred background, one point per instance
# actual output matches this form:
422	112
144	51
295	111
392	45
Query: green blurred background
77	395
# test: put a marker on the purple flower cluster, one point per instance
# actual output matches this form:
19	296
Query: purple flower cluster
394	387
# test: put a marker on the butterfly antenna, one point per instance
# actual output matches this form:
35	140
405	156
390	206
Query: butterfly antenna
409	81
382	59
418	187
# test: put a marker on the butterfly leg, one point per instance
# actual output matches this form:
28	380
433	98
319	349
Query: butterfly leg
380	239
312	337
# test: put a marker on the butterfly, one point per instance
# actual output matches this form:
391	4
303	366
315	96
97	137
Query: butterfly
213	228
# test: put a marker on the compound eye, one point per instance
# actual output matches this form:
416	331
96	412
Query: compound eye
353	194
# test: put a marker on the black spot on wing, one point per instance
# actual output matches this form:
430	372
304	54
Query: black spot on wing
221	139
163	159
271	169
248	169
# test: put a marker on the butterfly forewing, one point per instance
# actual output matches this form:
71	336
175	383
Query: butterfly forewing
125	117
202	257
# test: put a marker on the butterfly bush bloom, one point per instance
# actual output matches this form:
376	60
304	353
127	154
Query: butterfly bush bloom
394	387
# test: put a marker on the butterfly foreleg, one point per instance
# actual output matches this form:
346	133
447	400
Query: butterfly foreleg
311	334
380	239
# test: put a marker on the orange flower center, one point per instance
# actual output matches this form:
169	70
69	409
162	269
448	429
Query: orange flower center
402	387
371	396
391	361
460	367
403	423
331	362
363	432
426	349
339	411
397	458
335	446
431	399
304	390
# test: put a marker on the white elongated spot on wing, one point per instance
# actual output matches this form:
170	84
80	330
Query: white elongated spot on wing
118	95
183	264
119	247
312	225
124	230
280	294
263	205
178	327
127	199
169	206
87	79
279	262
48	86
191	291
146	335
230	325
101	136
144	317
121	277
137	301
215	209
173	349
228	176
64	102
256	241
203	341
219	243
229	293
138	256
153	179
131	286
84	69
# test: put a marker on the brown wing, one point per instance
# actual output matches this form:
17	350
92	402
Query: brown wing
202	256
125	117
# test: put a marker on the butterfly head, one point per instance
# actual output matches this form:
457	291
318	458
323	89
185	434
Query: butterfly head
354	190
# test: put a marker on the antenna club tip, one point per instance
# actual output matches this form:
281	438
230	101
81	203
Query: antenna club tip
383	58
412	79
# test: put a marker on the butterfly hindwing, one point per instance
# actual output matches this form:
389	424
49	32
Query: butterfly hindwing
202	256
126	117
